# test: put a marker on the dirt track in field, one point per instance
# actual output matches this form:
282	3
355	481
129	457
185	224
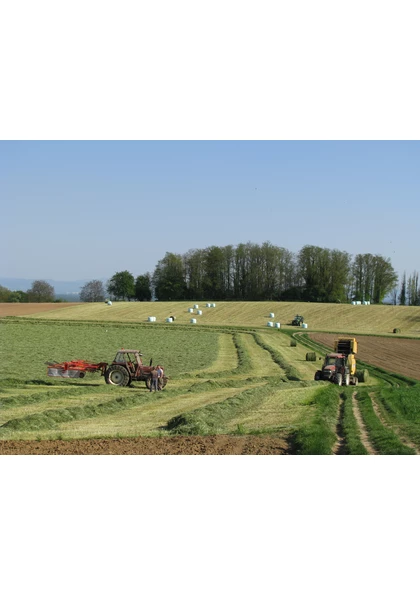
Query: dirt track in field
400	355
180	445
26	309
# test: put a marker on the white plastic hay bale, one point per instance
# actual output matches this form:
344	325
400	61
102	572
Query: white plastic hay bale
109	302
358	303
277	325
151	319
271	315
353	303
270	324
304	325
366	302
170	320
196	306
190	310
193	321
208	304
213	305
199	312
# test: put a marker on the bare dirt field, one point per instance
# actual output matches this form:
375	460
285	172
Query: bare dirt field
184	446
26	309
399	355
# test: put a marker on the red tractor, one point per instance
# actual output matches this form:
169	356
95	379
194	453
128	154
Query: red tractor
126	367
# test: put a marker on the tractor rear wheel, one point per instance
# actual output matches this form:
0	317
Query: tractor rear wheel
117	375
338	379
347	379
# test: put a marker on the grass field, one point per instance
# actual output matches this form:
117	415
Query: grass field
377	319
229	374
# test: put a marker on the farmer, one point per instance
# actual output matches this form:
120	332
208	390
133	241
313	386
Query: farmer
154	383
160	376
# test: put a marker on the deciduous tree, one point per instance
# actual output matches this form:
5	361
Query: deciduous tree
142	289
92	291
121	285
41	292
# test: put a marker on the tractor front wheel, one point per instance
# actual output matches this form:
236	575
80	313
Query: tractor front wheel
338	379
117	375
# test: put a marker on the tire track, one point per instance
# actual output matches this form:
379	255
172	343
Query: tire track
397	432
340	447
364	437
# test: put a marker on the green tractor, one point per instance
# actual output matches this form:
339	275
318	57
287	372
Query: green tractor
297	320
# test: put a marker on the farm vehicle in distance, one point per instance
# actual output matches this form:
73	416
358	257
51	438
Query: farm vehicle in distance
126	367
297	320
340	367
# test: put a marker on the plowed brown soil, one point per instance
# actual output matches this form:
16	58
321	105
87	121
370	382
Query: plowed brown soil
399	355
26	309
180	445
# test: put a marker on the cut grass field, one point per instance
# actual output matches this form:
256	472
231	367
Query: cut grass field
331	317
229	374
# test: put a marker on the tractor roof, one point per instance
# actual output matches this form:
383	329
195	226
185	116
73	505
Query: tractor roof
130	351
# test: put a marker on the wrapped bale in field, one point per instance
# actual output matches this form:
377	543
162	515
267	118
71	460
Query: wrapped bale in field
311	356
293	343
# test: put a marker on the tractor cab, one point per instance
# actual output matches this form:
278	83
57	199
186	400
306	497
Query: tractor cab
297	320
125	356
334	363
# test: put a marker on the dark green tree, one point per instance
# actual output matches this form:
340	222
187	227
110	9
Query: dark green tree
413	296
4	294
121	286
214	277
18	297
142	288
168	281
385	278
403	291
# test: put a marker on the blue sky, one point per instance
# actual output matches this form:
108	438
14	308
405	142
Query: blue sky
85	209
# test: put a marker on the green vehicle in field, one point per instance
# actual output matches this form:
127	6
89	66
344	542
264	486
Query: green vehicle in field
297	320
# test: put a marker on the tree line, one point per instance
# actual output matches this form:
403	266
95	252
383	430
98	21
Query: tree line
252	272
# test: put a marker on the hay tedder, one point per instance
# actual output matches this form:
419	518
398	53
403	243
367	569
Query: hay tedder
126	367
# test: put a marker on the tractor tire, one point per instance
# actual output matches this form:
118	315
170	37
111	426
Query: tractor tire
347	379
148	383
162	383
318	376
117	375
338	379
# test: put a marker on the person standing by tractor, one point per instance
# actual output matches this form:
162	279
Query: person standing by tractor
160	376
154	385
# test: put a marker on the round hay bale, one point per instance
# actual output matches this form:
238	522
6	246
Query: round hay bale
363	375
397	330
293	343
311	356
